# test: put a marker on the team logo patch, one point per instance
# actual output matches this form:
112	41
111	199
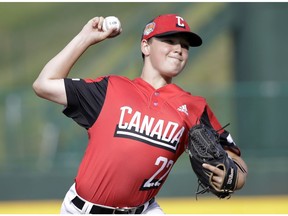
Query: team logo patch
149	28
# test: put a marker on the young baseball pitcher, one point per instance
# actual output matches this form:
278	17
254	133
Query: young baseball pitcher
137	128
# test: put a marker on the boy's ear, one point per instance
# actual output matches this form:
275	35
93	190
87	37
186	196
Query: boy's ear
145	47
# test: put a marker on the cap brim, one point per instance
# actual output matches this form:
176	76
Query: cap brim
193	39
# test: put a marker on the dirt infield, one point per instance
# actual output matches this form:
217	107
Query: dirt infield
204	205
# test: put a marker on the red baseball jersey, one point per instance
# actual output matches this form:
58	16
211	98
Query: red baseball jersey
136	134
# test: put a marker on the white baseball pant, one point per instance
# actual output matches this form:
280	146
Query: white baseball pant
69	208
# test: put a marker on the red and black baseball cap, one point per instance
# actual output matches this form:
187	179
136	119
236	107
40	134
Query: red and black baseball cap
169	24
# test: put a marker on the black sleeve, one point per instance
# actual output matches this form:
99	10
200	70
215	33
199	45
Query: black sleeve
226	140
85	100
227	143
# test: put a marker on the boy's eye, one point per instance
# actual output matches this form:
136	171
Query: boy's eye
172	42
185	46
168	41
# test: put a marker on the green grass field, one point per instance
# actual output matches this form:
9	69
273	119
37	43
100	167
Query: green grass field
204	205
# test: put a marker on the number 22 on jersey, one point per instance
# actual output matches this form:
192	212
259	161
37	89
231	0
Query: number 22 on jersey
156	179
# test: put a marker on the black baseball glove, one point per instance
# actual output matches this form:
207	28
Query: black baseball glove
204	147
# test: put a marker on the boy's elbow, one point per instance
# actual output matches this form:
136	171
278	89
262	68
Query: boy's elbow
52	90
37	87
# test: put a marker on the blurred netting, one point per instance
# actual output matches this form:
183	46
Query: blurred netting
241	70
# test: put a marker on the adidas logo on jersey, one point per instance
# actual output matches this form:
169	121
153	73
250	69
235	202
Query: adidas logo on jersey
183	109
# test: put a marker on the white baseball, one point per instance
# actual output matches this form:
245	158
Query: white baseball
111	22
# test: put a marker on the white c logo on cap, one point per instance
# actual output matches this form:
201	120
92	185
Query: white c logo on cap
180	22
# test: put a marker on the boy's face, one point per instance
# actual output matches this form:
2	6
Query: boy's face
168	54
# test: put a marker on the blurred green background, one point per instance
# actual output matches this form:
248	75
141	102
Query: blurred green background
241	69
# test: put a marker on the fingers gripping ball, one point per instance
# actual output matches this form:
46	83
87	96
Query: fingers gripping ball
204	147
112	22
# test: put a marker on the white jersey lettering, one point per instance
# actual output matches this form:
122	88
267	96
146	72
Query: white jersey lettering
135	121
129	110
146	125
157	130
133	125
173	126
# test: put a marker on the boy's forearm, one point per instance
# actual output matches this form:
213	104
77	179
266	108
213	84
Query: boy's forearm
60	66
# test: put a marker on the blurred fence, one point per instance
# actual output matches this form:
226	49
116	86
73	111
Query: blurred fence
241	69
